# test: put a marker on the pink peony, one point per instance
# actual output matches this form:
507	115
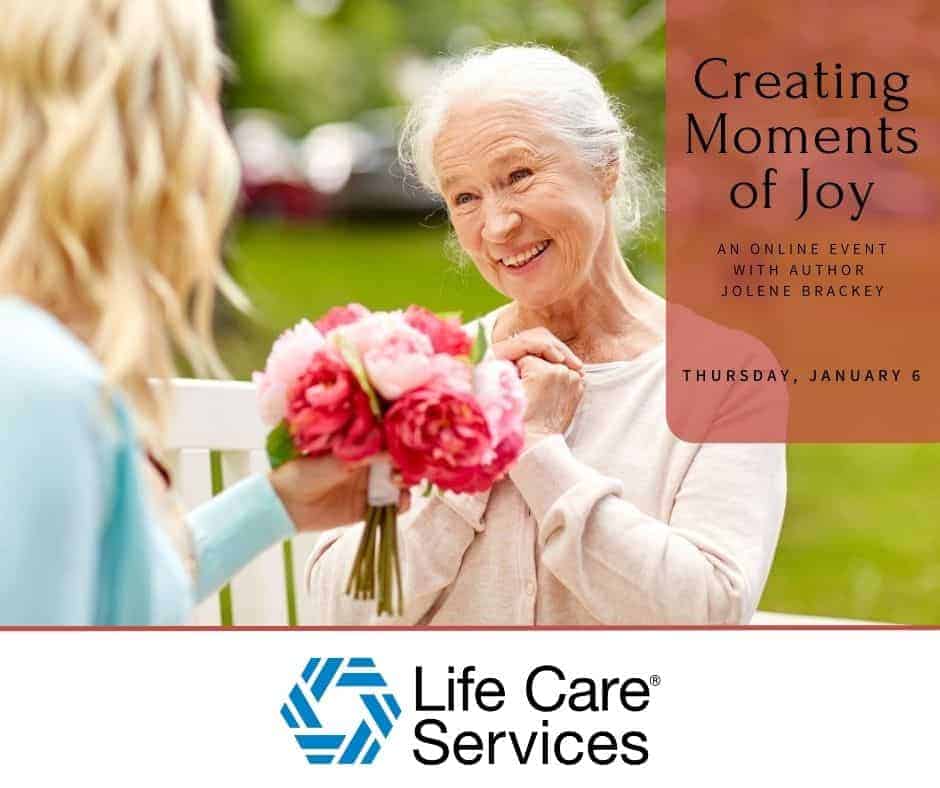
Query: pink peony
439	434
363	436
452	372
502	399
342	316
486	475
446	334
289	357
328	411
499	393
399	364
397	357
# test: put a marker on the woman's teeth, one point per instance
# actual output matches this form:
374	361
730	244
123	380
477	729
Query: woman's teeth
523	257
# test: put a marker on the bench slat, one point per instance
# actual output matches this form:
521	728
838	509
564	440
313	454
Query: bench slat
214	414
303	546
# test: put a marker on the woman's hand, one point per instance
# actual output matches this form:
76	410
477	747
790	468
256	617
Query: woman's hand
551	376
537	342
323	492
553	392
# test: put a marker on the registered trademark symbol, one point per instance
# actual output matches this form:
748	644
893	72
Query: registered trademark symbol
654	680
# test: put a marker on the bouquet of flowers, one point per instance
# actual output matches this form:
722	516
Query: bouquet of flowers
409	384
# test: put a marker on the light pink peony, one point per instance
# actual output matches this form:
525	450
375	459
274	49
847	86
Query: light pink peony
371	331
397	357
327	411
290	356
453	372
446	334
341	316
499	391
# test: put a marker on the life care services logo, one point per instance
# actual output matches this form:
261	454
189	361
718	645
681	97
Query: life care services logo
340	711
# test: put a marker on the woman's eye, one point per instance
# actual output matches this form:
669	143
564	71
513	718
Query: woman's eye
463	198
517	175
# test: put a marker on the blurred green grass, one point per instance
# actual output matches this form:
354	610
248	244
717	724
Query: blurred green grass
294	272
861	538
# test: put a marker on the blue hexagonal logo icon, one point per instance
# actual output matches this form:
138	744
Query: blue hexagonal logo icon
341	710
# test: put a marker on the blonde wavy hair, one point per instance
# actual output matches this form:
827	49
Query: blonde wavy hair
117	179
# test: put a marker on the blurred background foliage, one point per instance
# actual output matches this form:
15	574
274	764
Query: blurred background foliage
318	61
318	90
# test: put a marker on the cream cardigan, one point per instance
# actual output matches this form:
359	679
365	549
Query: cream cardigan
617	522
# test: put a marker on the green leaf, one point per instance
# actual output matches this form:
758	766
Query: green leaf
351	357
458	316
480	345
280	445
428	489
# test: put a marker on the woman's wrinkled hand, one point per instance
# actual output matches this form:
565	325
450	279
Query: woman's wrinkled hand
552	376
538	342
553	392
323	492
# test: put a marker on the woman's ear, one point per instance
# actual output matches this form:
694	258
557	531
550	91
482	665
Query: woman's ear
610	174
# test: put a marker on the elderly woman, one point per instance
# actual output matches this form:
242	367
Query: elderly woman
607	518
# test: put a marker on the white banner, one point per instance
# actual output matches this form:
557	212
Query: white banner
452	708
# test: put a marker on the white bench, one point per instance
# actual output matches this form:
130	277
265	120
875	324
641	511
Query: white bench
222	416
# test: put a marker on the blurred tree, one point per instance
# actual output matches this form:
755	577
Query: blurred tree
314	61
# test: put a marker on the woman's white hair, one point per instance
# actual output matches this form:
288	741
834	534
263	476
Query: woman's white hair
567	97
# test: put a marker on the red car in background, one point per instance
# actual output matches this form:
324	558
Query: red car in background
274	184
347	169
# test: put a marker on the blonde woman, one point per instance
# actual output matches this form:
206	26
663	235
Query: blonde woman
116	178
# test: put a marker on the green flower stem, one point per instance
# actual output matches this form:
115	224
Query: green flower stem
376	571
354	584
383	566
370	559
397	565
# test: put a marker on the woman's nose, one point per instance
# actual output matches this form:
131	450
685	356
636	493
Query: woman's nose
499	223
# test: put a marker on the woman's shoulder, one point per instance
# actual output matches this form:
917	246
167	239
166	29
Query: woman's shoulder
51	379
42	360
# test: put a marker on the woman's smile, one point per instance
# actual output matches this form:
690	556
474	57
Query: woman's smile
526	259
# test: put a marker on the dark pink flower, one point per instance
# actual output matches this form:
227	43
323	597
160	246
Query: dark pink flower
341	316
503	456
439	434
446	334
327	411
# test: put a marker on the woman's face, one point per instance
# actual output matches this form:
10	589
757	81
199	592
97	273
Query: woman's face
523	205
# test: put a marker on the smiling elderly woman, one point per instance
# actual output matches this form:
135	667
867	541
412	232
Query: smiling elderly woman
607	518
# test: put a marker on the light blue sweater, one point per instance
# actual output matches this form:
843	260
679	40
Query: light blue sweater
78	545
